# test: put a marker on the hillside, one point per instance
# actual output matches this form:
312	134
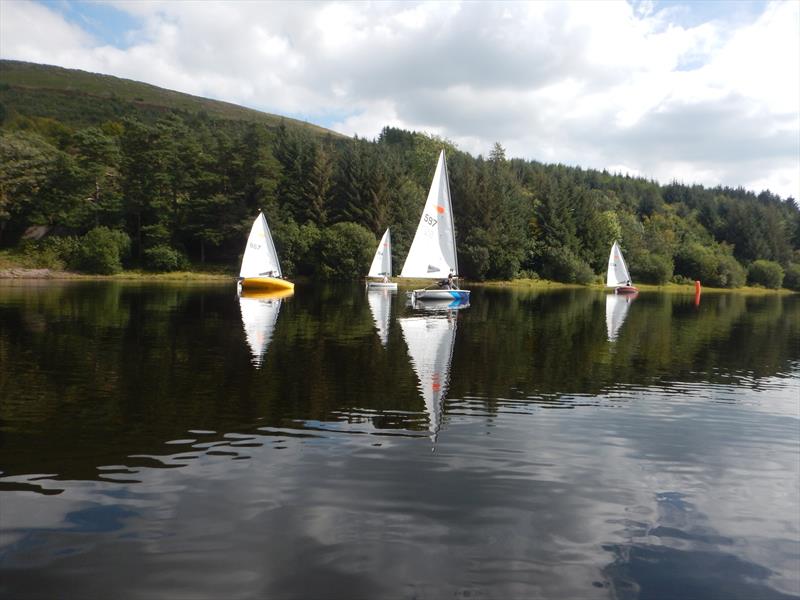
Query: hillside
111	173
79	98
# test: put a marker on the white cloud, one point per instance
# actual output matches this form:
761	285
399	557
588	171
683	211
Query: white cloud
598	84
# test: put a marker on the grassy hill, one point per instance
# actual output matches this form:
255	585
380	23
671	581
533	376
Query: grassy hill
79	98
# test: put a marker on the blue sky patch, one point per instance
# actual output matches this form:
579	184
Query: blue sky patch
107	24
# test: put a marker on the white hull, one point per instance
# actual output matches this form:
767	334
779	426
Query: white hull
379	285
440	294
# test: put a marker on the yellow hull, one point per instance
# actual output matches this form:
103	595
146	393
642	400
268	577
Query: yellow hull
259	294
266	283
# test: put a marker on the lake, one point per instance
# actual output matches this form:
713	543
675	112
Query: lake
174	441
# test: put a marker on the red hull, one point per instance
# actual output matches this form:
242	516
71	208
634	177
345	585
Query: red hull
626	289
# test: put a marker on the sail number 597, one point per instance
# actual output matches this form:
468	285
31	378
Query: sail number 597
429	220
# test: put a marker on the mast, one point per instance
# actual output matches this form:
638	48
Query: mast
452	215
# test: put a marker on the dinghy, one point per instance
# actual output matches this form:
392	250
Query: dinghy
618	275
433	252
382	265
260	268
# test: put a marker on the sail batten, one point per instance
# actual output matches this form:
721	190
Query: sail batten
433	251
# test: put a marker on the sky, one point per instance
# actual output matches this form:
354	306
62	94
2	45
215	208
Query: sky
698	92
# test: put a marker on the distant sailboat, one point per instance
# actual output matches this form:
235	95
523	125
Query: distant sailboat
430	342
618	275
380	303
433	252
617	306
259	316
382	265
260	268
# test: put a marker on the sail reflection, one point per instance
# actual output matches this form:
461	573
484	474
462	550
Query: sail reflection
430	340
380	304
259	316
617	306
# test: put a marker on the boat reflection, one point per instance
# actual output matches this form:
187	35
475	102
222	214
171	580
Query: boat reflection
380	304
617	306
437	304
259	316
430	340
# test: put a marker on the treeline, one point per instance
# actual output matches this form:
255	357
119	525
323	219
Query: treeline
183	189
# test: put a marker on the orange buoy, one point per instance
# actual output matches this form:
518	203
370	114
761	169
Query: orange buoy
697	289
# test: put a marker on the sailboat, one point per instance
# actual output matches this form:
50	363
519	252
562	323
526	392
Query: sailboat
618	275
617	306
380	302
260	268
430	341
433	252
259	316
382	265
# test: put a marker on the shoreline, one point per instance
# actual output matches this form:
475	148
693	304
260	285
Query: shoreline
26	274
23	274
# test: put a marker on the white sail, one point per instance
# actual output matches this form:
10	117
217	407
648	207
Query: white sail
433	252
430	341
617	306
260	257
382	262
380	302
259	316
617	269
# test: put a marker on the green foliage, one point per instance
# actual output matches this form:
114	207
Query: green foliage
89	98
101	251
298	246
475	257
712	265
561	264
791	279
730	273
346	251
652	268
766	273
164	258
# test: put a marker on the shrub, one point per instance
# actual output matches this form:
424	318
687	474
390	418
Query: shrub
164	258
297	246
346	251
712	265
680	279
526	274
766	273
101	251
729	273
561	264
475	261
653	268
791	278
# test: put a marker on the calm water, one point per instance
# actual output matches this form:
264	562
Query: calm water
170	442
